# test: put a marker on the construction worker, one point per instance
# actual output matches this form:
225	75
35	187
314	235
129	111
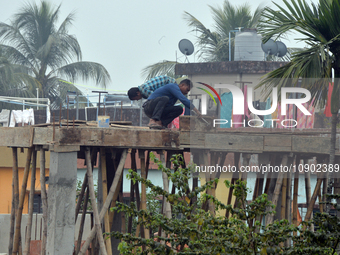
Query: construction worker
160	106
146	89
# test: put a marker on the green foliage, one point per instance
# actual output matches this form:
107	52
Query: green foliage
195	231
192	230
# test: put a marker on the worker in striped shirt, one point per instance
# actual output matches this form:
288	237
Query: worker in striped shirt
147	88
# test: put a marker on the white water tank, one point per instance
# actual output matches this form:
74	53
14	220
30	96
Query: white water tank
248	46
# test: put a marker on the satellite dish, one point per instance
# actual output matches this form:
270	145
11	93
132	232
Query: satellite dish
270	47
186	47
282	49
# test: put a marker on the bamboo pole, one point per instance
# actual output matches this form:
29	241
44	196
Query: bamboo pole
81	195
94	203
115	197
167	207
30	204
308	190
21	202
313	199
107	201
233	179
132	189
44	200
296	191
104	185
82	221
289	199
15	197
284	196
245	162
270	217
141	154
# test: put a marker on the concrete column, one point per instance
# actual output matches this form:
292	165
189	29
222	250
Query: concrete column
61	203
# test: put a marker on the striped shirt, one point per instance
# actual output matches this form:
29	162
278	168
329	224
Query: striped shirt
151	85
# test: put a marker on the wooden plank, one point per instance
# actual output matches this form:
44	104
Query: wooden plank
43	135
317	145
16	137
188	139
277	143
117	137
236	143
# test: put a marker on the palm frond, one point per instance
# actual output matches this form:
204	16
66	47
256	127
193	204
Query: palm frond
84	71
161	68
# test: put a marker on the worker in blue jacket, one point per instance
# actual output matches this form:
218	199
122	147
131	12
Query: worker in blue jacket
160	106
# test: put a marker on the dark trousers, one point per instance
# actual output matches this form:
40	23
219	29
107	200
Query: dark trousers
156	109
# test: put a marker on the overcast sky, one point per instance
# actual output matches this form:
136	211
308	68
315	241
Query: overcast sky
127	35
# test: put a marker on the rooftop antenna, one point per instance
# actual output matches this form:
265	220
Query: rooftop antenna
282	49
270	47
186	47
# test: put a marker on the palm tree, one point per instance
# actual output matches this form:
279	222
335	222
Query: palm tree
319	25
46	52
212	45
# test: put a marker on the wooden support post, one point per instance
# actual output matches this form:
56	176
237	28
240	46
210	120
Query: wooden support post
21	202
141	154
284	196
44	200
81	196
82	221
245	162
94	202
30	204
289	196
166	204
107	202
296	190
308	188
132	188
313	198
104	186
15	197
278	186
233	180
196	160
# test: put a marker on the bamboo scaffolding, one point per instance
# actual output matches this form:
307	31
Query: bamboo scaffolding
21	203
108	200
132	189
104	186
15	197
284	196
167	207
30	204
296	190
44	200
82	221
313	198
233	180
81	196
93	201
278	186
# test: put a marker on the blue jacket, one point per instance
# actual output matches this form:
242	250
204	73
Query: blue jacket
173	92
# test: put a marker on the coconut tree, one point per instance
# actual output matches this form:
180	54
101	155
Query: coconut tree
47	51
319	25
212	45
